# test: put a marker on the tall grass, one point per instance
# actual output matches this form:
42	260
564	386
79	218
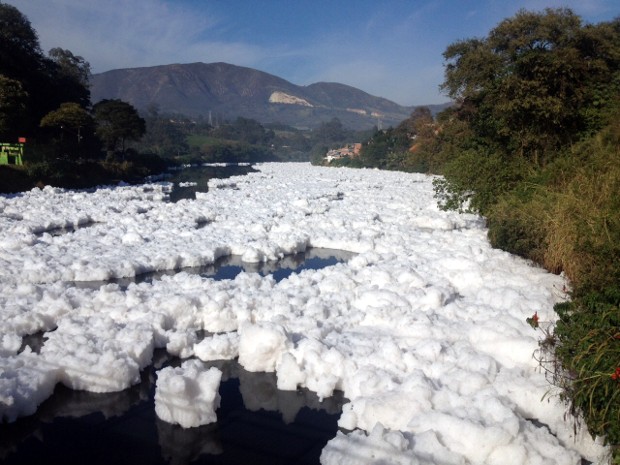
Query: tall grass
567	217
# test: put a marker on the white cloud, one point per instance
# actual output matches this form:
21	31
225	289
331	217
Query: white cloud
118	33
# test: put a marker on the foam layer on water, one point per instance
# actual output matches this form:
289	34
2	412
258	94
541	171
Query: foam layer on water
424	330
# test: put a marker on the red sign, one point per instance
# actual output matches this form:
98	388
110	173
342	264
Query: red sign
21	140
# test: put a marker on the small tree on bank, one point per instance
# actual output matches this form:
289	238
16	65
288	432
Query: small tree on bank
72	123
116	123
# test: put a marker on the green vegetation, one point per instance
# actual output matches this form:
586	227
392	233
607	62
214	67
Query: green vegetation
117	122
246	140
46	100
533	143
389	149
72	143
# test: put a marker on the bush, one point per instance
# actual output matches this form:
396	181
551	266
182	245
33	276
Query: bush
476	179
518	224
567	217
588	348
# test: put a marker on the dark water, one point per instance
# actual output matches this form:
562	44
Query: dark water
200	176
257	423
230	266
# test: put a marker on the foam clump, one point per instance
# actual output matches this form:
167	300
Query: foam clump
218	347
379	447
98	354
25	382
261	346
188	395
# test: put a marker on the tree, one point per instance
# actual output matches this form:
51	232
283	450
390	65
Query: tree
21	64
419	119
163	137
71	66
68	117
72	75
330	132
375	151
48	82
117	122
524	87
19	44
13	100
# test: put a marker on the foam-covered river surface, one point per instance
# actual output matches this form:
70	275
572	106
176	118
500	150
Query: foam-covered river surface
412	349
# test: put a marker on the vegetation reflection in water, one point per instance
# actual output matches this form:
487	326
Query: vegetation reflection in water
257	423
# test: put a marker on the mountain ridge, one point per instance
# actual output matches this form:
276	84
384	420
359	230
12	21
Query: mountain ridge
227	91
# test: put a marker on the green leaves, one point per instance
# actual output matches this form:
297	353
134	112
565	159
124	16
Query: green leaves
13	101
69	114
531	78
589	351
117	122
48	82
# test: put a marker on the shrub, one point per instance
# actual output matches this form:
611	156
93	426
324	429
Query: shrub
476	179
584	234
588	348
518	223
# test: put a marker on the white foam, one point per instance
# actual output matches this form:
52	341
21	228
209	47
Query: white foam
188	395
424	330
25	382
261	346
218	347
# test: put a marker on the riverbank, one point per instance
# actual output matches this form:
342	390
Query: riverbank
79	174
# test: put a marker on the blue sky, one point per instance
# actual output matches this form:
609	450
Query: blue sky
390	48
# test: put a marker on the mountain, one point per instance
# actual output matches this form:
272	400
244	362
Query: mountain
227	91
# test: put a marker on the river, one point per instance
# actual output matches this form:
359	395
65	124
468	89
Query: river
420	334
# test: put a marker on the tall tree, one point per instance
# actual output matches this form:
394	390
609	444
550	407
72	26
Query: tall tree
13	103
20	51
117	122
47	82
524	87
71	66
71	74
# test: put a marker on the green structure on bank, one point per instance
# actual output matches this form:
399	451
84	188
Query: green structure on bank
11	154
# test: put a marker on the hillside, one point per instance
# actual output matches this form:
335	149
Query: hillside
226	91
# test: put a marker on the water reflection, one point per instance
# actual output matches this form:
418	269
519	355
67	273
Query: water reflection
180	446
311	259
257	424
196	179
230	266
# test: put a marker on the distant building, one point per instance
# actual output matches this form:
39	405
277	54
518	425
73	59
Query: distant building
348	151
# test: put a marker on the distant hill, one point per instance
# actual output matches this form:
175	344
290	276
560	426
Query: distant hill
227	91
